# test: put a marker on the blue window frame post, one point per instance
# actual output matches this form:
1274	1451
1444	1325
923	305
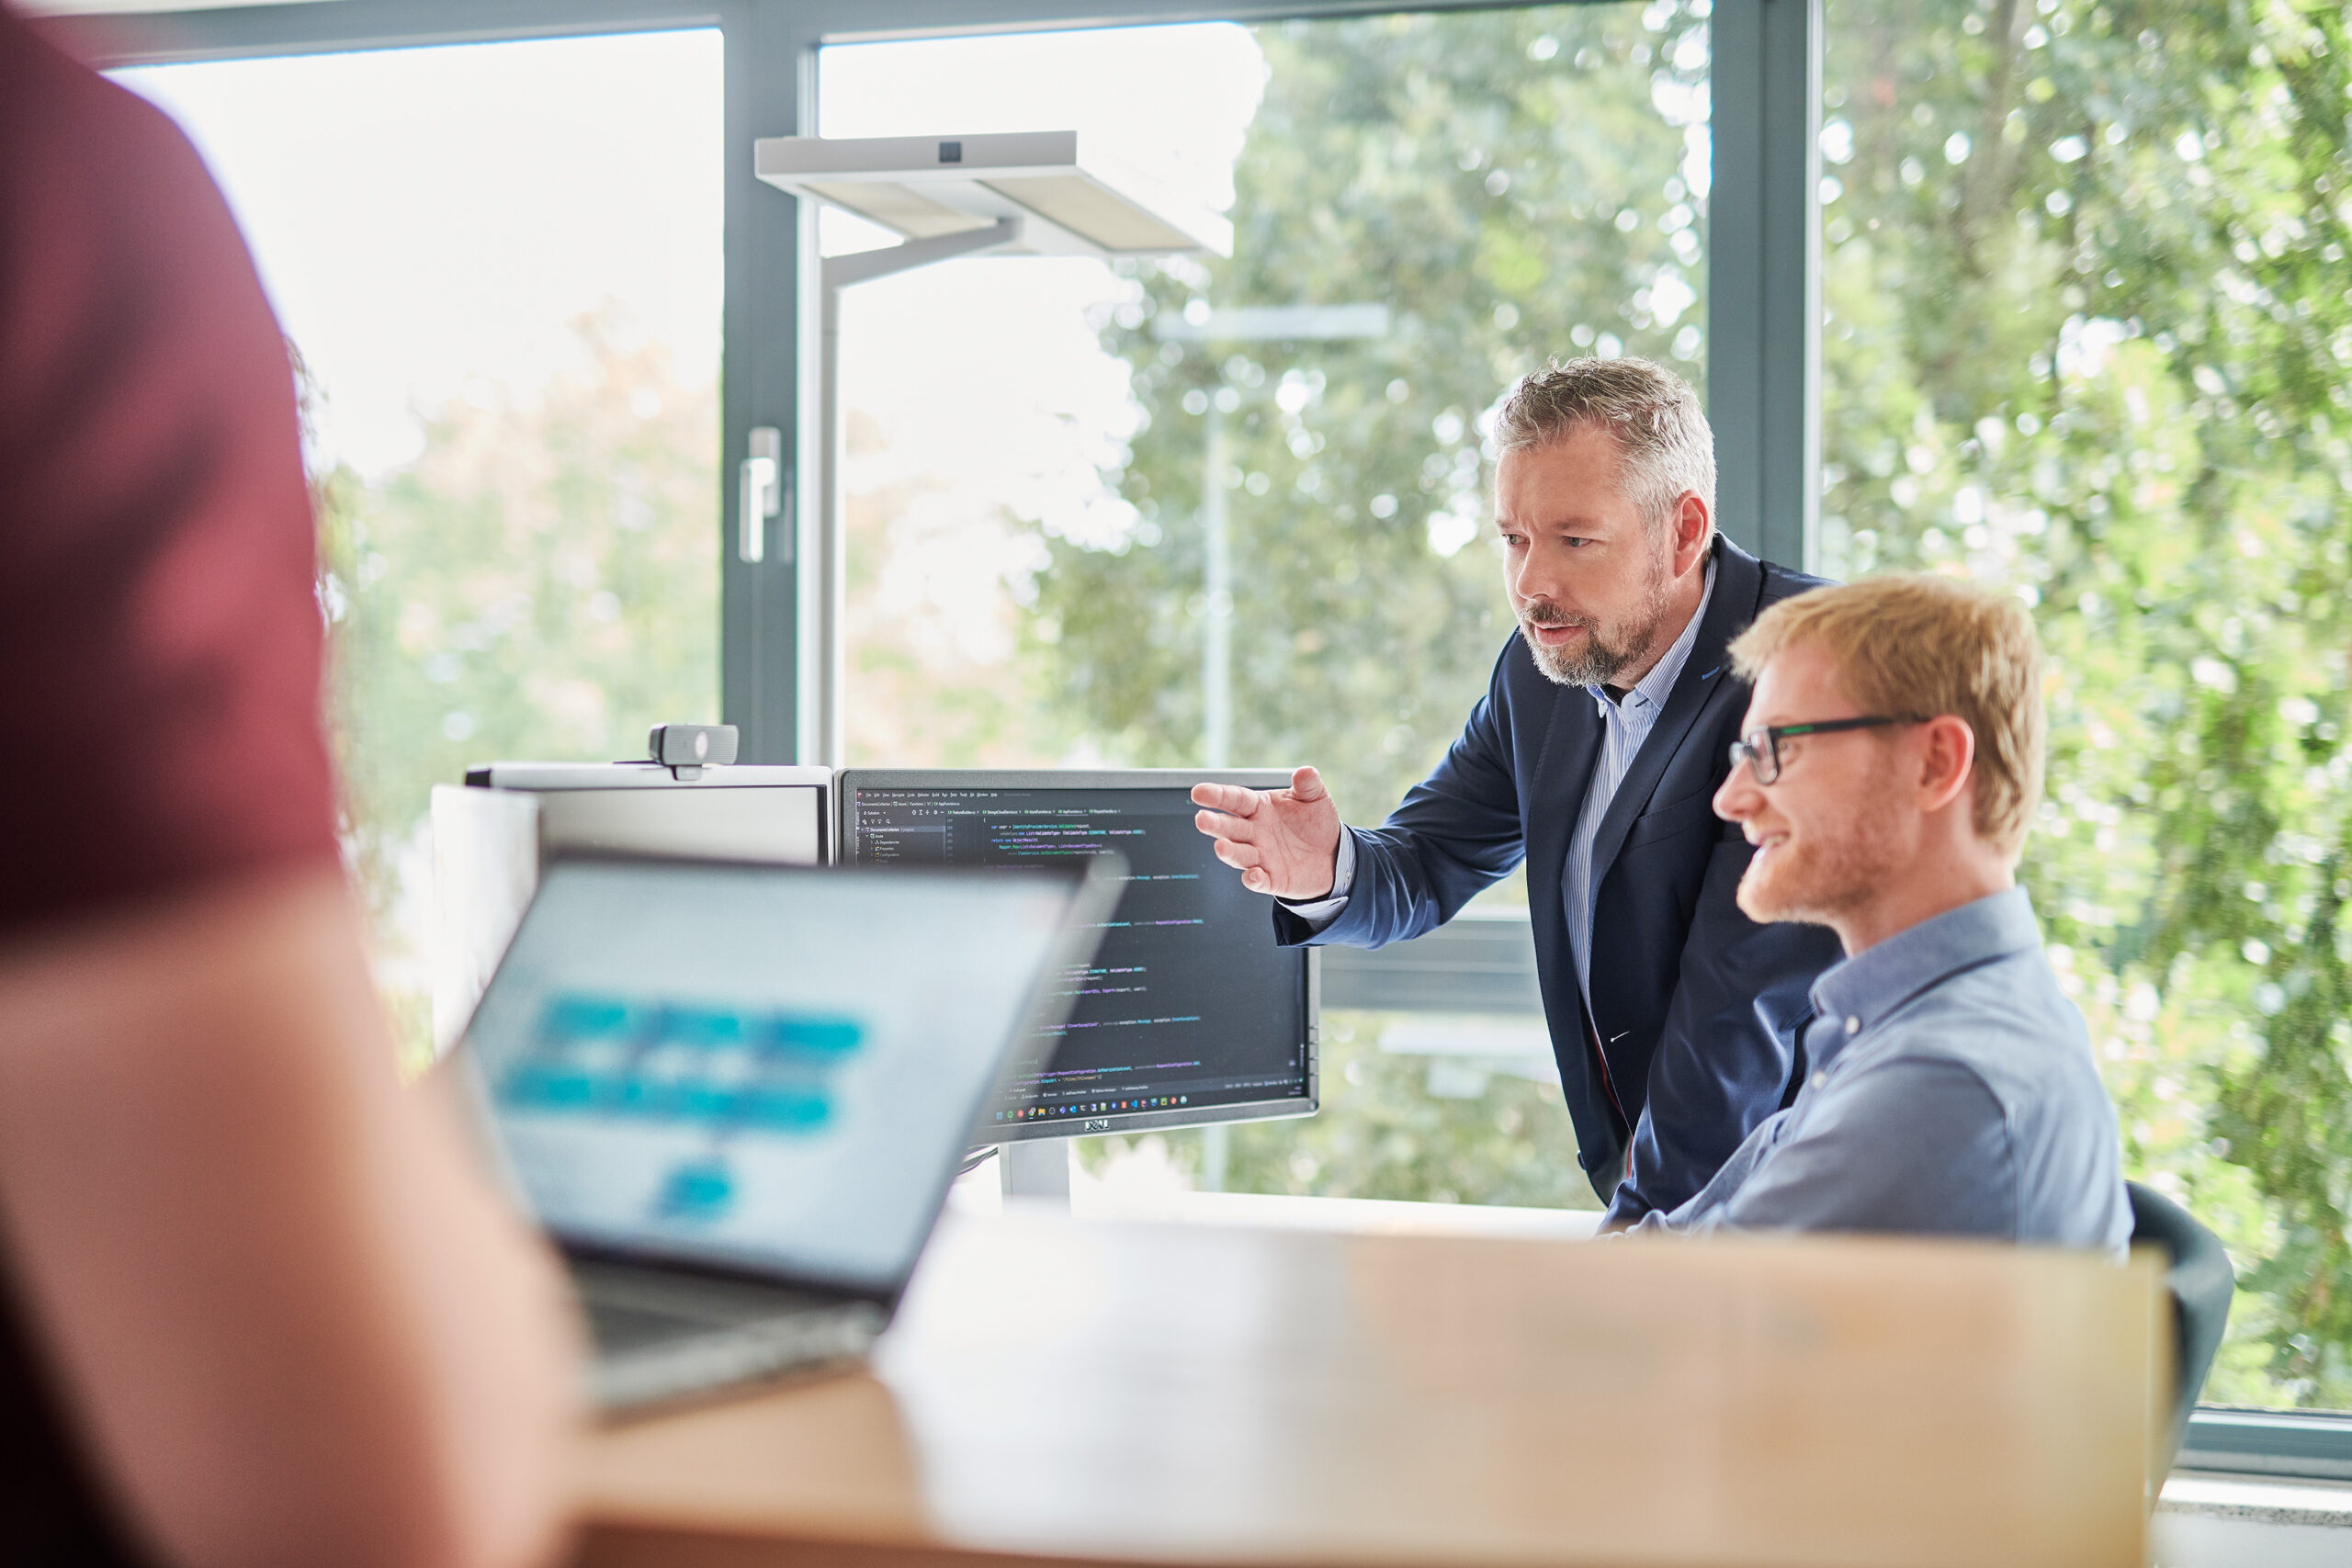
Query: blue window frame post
1764	275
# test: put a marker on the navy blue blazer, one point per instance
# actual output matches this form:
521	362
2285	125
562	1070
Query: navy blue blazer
1695	1007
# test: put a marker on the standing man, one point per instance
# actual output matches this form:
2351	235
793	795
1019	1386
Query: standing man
1594	755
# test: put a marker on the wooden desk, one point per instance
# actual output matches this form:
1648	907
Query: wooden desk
1090	1393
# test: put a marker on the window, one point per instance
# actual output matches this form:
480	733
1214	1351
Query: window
500	265
1234	512
2087	336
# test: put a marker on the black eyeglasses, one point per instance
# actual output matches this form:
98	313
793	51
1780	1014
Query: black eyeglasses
1760	749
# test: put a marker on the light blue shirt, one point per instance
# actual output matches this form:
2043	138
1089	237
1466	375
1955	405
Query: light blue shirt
1950	1090
1624	725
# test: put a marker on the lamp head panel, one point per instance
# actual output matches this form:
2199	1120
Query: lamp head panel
924	186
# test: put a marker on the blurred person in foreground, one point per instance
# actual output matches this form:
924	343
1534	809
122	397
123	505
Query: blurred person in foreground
256	1305
1891	763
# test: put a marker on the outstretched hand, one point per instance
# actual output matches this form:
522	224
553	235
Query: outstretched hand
1284	841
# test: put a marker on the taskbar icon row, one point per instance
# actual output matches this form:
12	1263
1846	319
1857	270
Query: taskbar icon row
1096	1108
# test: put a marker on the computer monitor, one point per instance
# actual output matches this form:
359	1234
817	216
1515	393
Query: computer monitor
1189	1012
774	816
491	836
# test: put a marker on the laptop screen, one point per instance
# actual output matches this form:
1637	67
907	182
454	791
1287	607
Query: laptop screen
758	1066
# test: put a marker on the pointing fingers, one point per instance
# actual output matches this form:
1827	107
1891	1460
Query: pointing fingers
1233	798
1219	826
1241	857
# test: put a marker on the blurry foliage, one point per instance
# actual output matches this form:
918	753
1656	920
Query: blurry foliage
2087	336
1382	1134
540	582
1501	182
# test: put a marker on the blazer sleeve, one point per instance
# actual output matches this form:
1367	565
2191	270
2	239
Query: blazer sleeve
1457	832
1726	1059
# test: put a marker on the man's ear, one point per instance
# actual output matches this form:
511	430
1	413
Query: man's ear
1948	761
1690	531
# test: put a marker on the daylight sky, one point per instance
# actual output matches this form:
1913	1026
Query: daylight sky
428	221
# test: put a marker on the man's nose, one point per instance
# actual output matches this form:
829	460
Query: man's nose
1736	798
1537	575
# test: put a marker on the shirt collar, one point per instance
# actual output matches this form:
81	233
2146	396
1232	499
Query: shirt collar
1852	997
1654	688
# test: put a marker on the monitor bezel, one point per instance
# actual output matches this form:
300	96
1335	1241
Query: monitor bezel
1284	1107
557	778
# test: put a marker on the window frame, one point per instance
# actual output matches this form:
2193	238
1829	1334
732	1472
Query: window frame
1763	311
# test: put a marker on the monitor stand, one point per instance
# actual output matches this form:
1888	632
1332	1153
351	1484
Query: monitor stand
1038	1169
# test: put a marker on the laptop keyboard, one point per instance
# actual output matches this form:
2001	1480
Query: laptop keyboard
660	1332
617	1328
647	1357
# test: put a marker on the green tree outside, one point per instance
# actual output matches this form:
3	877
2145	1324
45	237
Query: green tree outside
2087	337
1499	182
541	583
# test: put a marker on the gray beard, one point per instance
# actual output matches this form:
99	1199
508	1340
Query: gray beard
1607	653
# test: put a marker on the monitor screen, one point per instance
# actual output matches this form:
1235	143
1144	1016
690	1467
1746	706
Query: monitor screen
757	1065
1188	1012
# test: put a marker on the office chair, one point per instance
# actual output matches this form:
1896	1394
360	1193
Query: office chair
2201	1282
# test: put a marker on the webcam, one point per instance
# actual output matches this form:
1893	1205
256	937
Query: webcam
693	745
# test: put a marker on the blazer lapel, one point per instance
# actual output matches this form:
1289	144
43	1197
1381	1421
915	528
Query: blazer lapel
1740	584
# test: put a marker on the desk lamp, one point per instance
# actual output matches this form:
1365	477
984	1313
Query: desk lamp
1027	193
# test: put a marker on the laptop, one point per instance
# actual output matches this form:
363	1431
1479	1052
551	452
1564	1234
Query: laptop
736	1095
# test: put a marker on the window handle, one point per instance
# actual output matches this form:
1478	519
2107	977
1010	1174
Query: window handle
759	490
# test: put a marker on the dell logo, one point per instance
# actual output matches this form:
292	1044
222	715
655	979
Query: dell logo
1098	1124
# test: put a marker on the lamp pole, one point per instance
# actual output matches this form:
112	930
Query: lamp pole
1217	586
824	555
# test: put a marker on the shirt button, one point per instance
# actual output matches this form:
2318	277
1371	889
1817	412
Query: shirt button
1820	1078
1853	1026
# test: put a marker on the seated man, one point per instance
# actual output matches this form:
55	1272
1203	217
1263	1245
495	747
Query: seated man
1891	762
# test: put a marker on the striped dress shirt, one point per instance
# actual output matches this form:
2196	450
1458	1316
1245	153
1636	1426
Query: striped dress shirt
1624	725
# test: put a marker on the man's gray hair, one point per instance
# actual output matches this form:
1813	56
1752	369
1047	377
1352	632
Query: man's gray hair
1653	413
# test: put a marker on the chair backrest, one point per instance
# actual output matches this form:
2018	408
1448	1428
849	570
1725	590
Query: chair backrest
2202	1285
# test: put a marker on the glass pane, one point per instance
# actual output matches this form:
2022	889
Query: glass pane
501	267
2087	337
1103	514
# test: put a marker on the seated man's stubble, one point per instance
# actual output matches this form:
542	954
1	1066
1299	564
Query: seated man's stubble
1877	835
